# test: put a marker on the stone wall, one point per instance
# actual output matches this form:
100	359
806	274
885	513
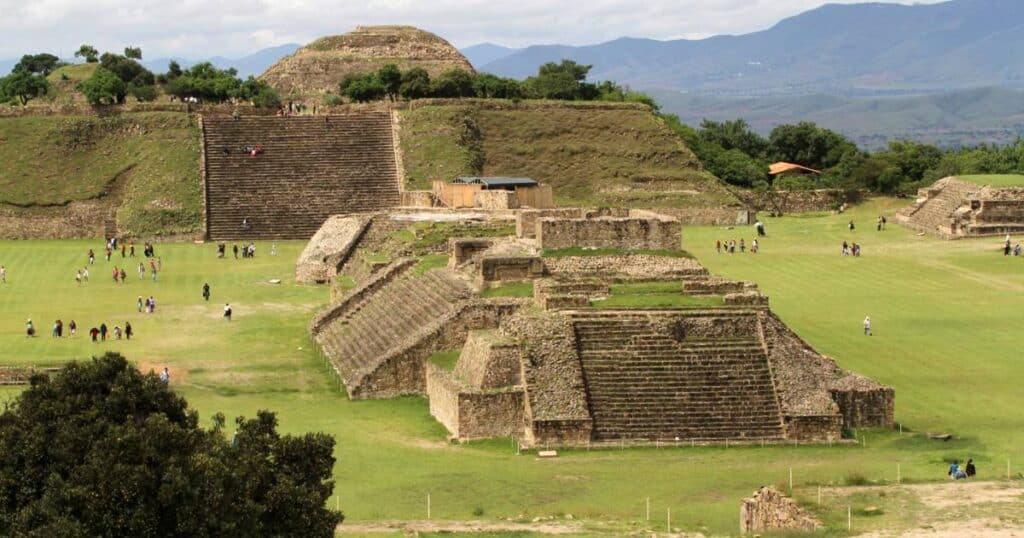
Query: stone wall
809	428
360	294
566	432
417	199
329	248
76	220
510	268
864	403
14	375
625	267
495	199
526	220
491	414
769	510
488	362
609	232
443	397
462	250
711	216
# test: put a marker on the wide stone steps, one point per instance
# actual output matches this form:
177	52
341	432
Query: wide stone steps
312	167
642	383
361	340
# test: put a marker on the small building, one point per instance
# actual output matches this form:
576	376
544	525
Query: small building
784	168
493	193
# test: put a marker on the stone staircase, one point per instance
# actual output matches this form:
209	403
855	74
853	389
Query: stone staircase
935	213
644	384
361	339
311	167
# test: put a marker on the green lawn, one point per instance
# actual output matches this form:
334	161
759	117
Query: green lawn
946	316
996	180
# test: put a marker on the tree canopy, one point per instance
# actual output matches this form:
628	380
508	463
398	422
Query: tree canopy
103	88
38	64
103	450
89	53
22	86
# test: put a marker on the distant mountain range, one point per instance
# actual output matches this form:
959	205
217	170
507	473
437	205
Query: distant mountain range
956	118
253	64
835	49
485	53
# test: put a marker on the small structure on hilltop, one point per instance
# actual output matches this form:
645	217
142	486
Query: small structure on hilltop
576	353
492	193
319	66
953	208
769	510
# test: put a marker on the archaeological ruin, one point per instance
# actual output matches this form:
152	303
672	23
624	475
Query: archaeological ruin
319	66
528	331
953	208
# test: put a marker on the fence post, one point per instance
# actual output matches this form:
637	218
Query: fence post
790	481
819	495
899	476
648	509
428	506
849	518
668	519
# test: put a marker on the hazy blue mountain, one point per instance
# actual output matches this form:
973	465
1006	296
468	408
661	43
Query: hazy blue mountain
253	64
834	48
485	53
963	117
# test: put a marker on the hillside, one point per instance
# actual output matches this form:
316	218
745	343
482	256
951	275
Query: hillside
143	166
959	118
834	48
591	153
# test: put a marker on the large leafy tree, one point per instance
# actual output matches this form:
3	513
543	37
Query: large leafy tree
808	144
38	64
103	450
391	78
415	84
453	83
103	88
23	86
563	80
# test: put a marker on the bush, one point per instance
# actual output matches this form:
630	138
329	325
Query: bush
142	93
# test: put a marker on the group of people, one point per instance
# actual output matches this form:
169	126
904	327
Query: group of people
1006	247
958	473
149	304
730	246
96	333
248	251
851	249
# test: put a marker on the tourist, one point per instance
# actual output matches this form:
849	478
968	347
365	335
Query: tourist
115	273
867	325
60	329
78	277
30	330
759	226
753	246
92	257
856	250
152	270
846	248
3	274
718	246
127	331
117	332
878	227
955	472
94	333
220	250
108	253
234	249
851	226
969	469
1006	246
131	250
123	246
206	291
72	328
883	222
151	304
123	275
165	376
1017	249
103	331
732	246
85	274
138	304
54	332
227	311
142	271
273	248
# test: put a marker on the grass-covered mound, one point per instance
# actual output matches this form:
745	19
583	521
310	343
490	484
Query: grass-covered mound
995	180
146	164
595	154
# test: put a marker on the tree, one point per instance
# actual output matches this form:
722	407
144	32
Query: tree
734	134
561	81
391	78
142	93
366	88
38	64
23	86
103	450
173	70
453	83
127	69
134	53
88	52
203	81
807	144
491	86
415	84
734	167
103	88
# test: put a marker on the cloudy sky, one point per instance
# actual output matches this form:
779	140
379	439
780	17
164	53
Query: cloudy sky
233	28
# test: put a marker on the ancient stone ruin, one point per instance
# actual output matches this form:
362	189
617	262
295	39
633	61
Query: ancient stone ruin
319	67
305	169
953	208
769	510
559	368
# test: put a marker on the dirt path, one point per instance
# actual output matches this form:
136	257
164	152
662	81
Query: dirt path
392	526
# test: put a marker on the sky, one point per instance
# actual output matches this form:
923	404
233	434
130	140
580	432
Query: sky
233	28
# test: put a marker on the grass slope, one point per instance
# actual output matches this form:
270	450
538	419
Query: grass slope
995	180
947	330
150	160
590	155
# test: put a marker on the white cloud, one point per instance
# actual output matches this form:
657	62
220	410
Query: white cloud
203	28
